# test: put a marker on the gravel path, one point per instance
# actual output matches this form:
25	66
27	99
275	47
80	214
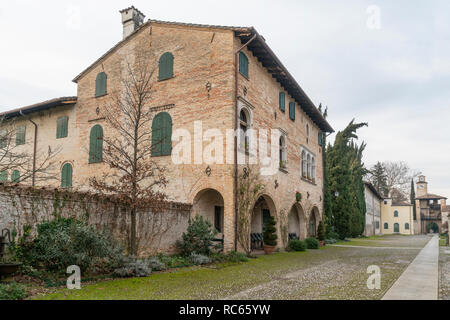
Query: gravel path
444	273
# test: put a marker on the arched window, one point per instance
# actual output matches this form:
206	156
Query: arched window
243	64
96	144
244	126
166	66
100	84
66	176
406	226
15	176
162	135
386	226
3	176
283	157
292	111
309	166
396	214
304	164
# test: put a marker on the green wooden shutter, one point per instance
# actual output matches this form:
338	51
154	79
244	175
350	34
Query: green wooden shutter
20	135
96	144
100	84
282	102
292	110
166	66
15	176
66	176
243	64
320	139
162	135
3	176
62	127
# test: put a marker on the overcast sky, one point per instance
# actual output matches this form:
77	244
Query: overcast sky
382	62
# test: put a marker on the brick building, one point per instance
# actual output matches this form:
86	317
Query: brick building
222	77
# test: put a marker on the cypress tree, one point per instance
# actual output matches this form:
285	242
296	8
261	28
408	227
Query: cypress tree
413	200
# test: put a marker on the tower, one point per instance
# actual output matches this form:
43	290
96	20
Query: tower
422	187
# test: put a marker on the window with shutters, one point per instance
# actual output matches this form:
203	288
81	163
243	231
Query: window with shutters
386	226
66	176
396	214
320	139
15	176
62	127
282	102
162	135
243	64
100	84
96	144
292	111
166	66
20	135
3	176
406	226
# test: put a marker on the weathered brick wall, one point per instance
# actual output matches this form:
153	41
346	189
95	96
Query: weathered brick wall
157	231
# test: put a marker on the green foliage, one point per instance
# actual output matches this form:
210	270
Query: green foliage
199	259
64	242
156	264
345	172
133	268
198	238
270	232
413	199
297	245
173	262
232	257
378	178
321	233
298	196
12	291
312	243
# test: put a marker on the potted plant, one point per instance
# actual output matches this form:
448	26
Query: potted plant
298	196
270	236
321	233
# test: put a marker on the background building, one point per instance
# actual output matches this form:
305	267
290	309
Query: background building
373	210
397	217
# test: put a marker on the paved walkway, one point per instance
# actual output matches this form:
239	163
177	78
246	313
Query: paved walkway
420	281
372	247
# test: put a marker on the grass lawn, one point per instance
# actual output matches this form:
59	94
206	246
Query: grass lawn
328	273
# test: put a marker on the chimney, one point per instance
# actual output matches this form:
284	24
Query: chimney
132	19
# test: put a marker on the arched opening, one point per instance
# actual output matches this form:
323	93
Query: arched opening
263	209
297	223
314	219
433	227
209	204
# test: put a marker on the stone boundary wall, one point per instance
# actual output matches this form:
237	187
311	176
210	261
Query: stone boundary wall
157	230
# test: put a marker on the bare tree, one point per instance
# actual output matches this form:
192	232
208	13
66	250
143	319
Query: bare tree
399	176
15	154
134	176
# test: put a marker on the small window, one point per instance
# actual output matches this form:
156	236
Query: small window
377	225
396	214
96	144
66	176
15	176
243	64
292	110
406	226
320	139
20	135
282	102
3	176
304	165
386	226
162	135
62	127
100	84
283	156
166	66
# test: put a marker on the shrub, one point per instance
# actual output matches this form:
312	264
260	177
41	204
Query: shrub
12	291
233	257
156	265
321	234
198	238
64	242
199	259
312	243
133	268
330	241
175	261
270	232
297	245
333	235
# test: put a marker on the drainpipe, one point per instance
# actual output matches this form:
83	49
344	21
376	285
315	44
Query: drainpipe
236	127
34	149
